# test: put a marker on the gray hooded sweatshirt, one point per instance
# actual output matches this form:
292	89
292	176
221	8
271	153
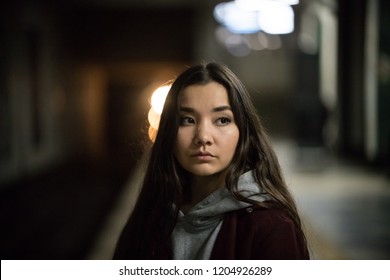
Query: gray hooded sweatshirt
195	232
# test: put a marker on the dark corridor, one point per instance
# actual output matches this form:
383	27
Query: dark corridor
58	214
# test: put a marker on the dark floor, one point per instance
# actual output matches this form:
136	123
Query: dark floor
345	205
58	214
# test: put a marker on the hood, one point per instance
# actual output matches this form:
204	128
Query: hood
211	209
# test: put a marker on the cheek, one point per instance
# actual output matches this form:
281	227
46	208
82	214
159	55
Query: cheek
231	140
184	136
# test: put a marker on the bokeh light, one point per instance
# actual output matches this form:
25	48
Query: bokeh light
158	98
242	20
235	19
157	104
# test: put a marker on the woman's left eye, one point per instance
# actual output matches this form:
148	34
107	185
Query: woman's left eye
223	121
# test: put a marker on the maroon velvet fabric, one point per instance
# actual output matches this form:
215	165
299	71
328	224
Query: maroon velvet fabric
261	234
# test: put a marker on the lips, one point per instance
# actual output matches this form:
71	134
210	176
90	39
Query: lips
200	154
203	156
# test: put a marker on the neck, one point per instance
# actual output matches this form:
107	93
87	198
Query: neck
201	187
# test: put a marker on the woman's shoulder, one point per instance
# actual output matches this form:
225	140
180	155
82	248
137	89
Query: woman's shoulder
256	216
259	223
262	233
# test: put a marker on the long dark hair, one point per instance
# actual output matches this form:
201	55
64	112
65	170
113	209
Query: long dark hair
148	230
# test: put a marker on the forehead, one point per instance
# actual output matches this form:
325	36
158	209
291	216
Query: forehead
206	95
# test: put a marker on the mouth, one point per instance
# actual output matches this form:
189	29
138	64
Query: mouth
203	156
200	154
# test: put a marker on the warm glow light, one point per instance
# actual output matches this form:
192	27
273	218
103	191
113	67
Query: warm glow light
158	98
157	101
152	133
153	118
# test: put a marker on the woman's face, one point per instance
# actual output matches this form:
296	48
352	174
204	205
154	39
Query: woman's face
208	135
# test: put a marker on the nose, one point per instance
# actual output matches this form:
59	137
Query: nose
203	135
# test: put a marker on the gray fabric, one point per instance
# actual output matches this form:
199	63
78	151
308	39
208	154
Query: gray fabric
195	232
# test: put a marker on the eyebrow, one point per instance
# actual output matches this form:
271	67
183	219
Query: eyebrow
216	109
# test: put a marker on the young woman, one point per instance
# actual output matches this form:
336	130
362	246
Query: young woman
213	188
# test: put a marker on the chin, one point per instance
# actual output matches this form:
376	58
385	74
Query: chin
204	172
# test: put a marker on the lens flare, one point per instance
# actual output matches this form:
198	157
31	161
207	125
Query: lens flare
157	104
158	98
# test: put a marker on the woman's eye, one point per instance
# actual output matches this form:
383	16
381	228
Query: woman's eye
186	121
223	121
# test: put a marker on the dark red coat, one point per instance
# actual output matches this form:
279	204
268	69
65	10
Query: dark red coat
260	234
250	233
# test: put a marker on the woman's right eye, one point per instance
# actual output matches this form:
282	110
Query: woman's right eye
186	121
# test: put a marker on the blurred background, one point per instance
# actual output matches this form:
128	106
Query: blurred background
76	79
